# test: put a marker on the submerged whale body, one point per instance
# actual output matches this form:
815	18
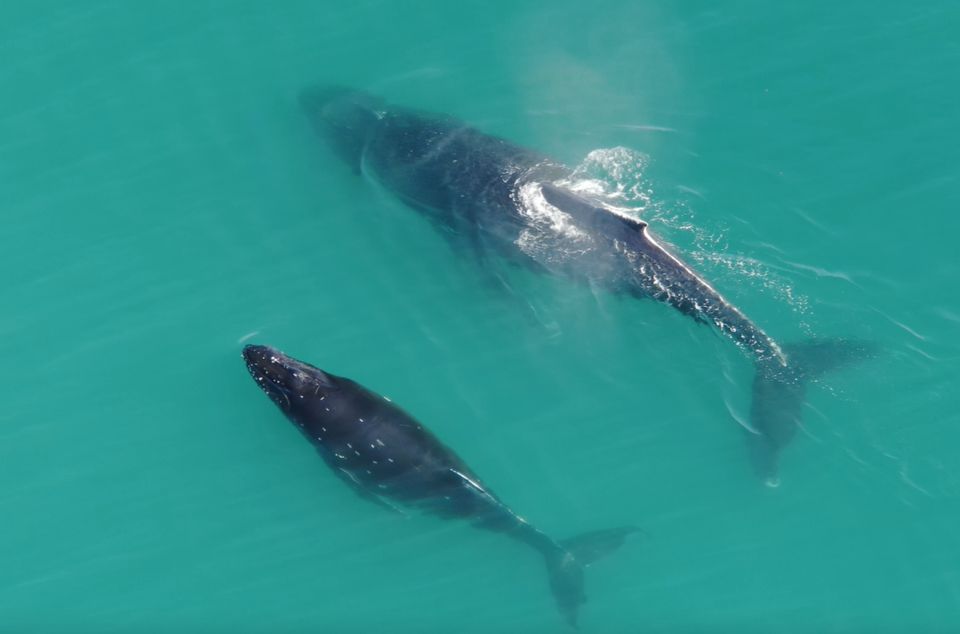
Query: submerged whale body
387	456
497	197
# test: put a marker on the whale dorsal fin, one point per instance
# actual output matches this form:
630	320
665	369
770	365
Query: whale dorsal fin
586	211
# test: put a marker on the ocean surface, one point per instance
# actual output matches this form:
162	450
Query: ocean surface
164	201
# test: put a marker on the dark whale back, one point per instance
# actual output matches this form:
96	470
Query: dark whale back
449	170
385	455
475	185
371	442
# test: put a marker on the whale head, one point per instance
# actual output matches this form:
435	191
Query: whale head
344	117
294	386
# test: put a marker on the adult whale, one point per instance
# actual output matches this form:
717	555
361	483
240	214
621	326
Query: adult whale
499	197
386	455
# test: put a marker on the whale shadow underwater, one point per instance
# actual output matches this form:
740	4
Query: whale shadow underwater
388	457
496	198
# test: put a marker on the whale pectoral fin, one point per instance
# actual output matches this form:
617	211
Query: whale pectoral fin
490	271
382	502
779	394
816	357
362	491
379	500
589	547
567	560
477	246
493	266
390	506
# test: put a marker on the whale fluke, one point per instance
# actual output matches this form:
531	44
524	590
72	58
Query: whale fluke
566	562
779	394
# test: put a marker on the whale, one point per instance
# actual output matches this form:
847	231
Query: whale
388	457
493	197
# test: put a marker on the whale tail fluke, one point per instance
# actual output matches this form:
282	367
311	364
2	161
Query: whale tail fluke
779	394
566	563
815	357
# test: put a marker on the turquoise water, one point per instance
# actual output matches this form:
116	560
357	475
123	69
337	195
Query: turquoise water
164	200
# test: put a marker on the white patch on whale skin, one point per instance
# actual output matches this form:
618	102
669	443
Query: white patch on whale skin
472	482
476	486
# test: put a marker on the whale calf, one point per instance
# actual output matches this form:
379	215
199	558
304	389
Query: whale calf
496	197
387	456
